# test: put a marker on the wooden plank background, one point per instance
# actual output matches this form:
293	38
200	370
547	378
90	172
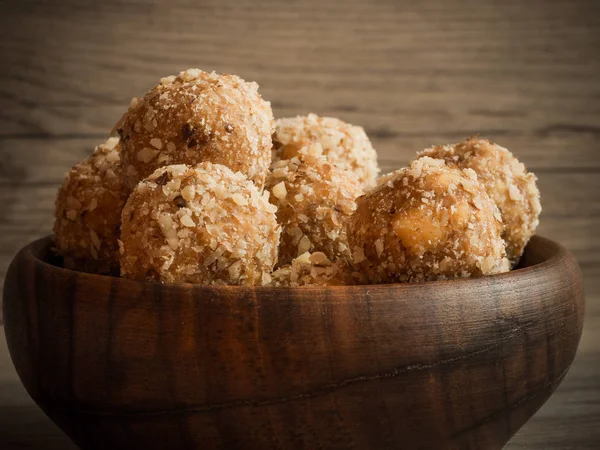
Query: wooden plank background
525	74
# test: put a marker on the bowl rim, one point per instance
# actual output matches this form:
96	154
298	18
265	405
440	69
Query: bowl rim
559	253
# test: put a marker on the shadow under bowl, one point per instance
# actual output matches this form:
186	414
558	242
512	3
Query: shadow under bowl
120	364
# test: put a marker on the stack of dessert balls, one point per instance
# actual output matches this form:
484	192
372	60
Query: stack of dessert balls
200	184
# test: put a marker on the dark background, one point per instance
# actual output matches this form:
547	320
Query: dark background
523	73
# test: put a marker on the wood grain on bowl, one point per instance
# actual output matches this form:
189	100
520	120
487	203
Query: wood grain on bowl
453	364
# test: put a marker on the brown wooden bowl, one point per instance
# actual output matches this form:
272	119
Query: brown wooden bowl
460	364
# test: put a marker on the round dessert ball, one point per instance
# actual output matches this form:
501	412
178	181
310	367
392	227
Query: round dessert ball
88	211
203	224
506	181
314	269
314	202
425	222
345	146
195	117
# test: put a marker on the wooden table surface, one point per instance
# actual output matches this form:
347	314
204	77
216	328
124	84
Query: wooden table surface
525	74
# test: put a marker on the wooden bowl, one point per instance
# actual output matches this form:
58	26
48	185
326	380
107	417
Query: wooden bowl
460	364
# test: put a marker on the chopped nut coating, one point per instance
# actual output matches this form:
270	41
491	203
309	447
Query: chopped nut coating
506	181
195	117
315	201
202	224
88	211
426	222
345	146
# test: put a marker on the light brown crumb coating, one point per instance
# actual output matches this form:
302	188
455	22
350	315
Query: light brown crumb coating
203	224
314	270
345	146
314	201
88	212
195	117
425	222
507	182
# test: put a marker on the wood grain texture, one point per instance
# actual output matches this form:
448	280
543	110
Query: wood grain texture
566	421
412	73
128	365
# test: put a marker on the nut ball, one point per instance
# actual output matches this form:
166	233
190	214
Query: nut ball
314	202
195	117
345	146
506	181
429	221
88	211
314	270
203	224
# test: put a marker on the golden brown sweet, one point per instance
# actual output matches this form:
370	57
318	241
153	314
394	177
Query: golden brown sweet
314	270
195	117
428	221
88	211
507	182
314	201
345	146
202	224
